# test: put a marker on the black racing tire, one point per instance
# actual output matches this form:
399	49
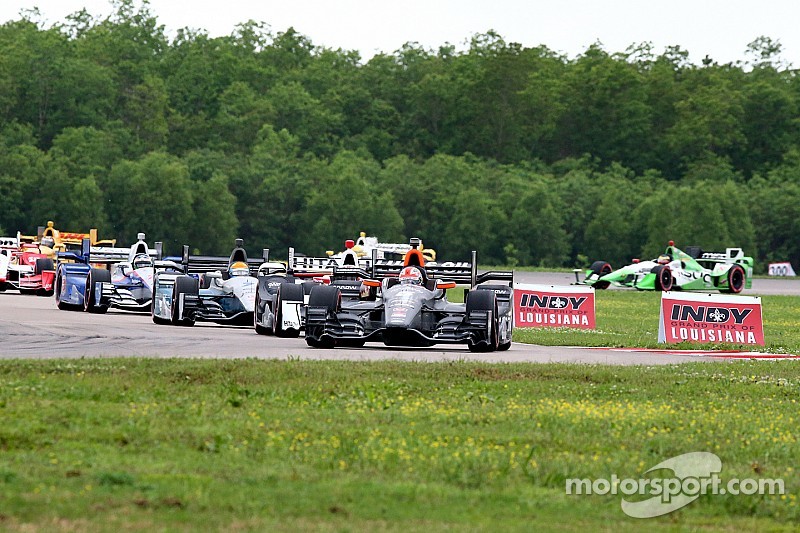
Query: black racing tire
664	279
484	301
736	279
4	286
59	288
42	264
286	291
330	298
261	330
326	296
95	275
157	319
503	346
183	285
601	268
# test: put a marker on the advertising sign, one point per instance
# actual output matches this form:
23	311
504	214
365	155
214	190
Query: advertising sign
781	269
552	306
710	318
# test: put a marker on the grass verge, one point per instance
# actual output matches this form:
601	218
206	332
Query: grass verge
104	444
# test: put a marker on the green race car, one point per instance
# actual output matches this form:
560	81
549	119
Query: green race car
692	270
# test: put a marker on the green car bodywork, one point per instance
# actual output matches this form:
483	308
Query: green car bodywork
692	270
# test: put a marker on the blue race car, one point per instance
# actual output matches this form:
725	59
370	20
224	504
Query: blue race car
126	283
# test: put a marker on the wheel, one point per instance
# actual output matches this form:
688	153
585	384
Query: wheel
261	330
664	279
601	268
330	298
42	264
183	285
95	275
289	292
502	347
59	290
156	319
484	301
736	279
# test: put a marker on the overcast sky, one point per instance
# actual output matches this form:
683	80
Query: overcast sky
721	29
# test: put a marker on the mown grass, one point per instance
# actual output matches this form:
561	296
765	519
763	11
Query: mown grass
138	444
629	319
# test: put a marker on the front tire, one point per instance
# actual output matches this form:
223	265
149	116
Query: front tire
186	285
90	304
664	280
261	330
331	299
736	280
601	268
484	301
290	292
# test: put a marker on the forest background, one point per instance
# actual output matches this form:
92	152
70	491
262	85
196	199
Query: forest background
524	154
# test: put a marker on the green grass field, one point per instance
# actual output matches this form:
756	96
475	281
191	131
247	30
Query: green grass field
144	444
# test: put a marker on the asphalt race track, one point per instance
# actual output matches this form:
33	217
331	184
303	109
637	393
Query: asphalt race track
32	327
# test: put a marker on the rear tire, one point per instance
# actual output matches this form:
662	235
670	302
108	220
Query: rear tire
601	268
736	279
183	285
484	301
96	275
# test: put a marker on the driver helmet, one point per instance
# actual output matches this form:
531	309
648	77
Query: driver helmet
49	242
663	259
239	268
410	276
142	261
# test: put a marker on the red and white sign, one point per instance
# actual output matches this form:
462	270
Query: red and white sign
781	269
552	306
710	319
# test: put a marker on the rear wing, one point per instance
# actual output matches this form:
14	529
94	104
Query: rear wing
103	254
201	264
304	266
9	243
463	272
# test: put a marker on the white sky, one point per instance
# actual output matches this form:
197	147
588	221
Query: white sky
721	29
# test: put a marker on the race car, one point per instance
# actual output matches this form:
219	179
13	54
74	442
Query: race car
214	289
408	306
283	290
26	267
692	270
366	246
126	282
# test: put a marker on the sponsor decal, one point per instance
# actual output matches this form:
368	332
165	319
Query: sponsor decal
781	269
710	318
539	306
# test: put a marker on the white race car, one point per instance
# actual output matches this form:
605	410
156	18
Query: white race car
213	289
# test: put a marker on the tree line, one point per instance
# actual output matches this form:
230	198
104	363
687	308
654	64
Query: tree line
524	154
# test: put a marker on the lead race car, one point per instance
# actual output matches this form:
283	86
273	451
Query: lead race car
692	270
407	306
213	289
